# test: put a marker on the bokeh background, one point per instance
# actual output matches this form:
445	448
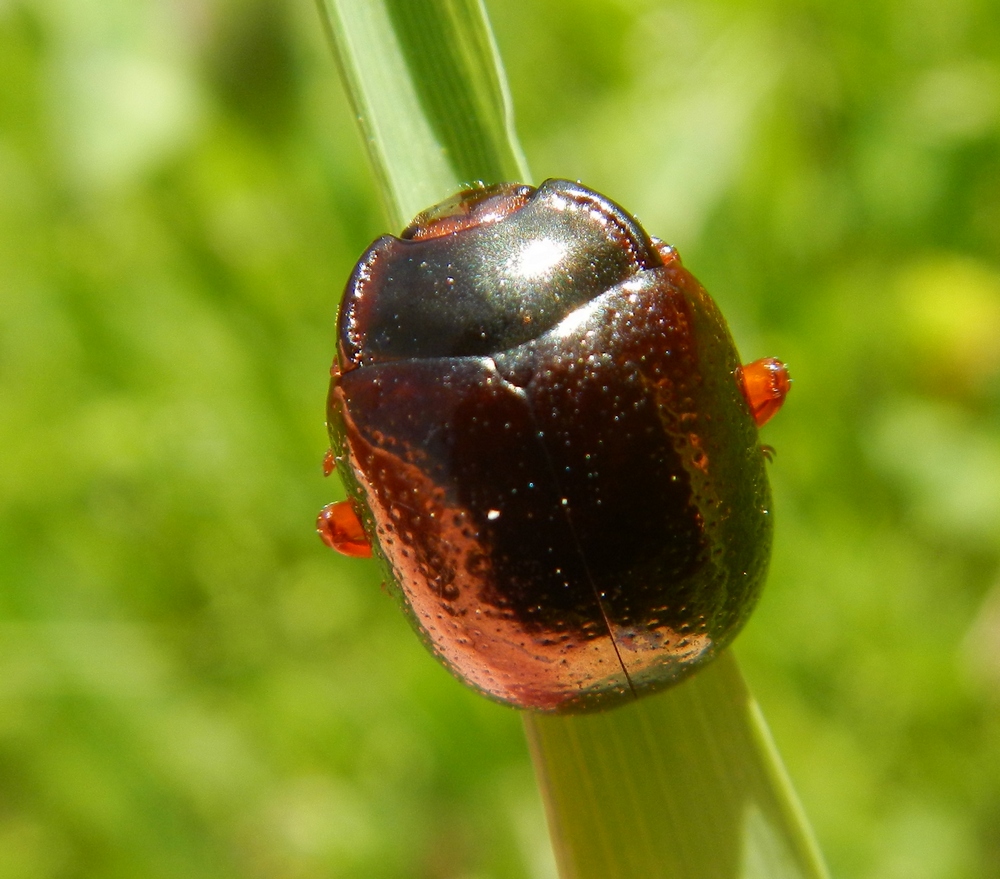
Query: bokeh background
191	685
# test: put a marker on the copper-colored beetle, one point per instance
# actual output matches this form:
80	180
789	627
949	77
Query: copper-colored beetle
542	421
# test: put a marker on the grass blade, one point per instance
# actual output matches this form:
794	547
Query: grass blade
684	784
430	97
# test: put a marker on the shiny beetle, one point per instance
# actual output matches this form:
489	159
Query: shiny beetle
545	431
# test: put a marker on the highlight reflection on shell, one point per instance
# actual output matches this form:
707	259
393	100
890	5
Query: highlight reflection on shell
537	409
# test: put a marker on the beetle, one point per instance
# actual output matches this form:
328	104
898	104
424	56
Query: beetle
549	443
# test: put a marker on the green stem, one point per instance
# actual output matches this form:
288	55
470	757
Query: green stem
686	783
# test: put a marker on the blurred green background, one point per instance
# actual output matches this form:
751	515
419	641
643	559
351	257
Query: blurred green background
191	685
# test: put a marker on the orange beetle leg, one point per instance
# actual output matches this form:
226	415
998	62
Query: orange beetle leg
765	384
668	253
329	462
340	528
